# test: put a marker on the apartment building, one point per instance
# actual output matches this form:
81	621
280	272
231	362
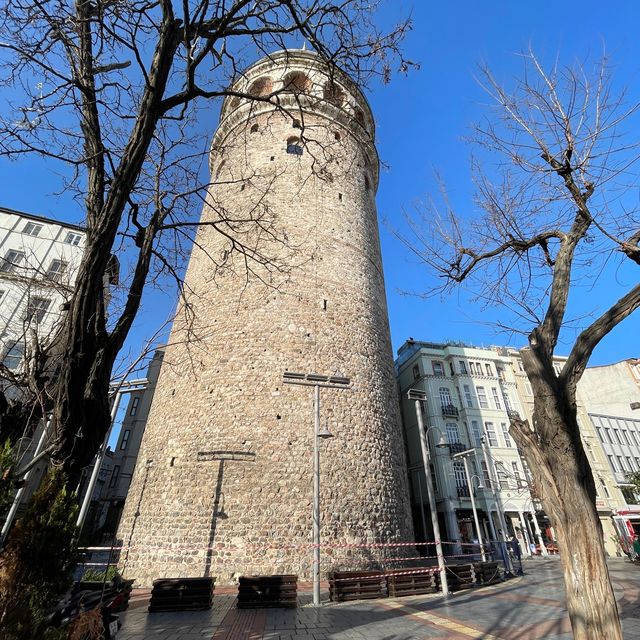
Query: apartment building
470	394
39	259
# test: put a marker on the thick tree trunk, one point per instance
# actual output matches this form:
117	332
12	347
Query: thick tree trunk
558	462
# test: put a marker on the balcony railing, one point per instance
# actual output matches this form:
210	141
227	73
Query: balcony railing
456	447
450	411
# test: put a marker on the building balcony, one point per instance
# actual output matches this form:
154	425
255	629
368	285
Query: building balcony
450	411
456	447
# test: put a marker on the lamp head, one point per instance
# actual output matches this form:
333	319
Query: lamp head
442	443
324	432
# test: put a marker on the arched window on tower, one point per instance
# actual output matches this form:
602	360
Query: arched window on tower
219	169
367	183
254	128
333	93
296	124
261	87
359	115
294	147
336	136
235	102
296	82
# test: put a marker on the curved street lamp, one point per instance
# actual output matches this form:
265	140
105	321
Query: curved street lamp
421	396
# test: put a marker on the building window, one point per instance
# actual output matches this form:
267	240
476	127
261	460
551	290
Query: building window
461	479
487	367
482	397
438	369
126	434
625	437
32	229
612	464
296	124
467	396
485	475
453	435
37	309
500	371
416	371
73	238
496	398
472	367
621	463
13	355
491	434
463	367
608	434
630	464
11	261
616	434
254	128
114	476
261	87
445	397
56	270
631	433
2	292
296	82
516	474
135	401
507	402
505	435
603	484
475	433
333	93
520	366
503	479
527	388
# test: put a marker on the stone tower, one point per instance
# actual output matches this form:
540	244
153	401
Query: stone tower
223	484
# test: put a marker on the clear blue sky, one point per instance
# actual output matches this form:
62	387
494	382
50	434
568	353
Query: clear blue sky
421	120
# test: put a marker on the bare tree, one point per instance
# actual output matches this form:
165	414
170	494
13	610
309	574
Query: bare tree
112	92
553	212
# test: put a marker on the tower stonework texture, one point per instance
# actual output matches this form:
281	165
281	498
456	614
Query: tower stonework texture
285	275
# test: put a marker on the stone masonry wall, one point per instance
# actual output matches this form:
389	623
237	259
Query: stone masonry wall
226	459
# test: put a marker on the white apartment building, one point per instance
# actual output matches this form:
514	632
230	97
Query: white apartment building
470	393
39	259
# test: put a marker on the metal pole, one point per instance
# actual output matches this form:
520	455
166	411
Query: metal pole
473	507
543	549
18	498
494	490
424	520
426	459
96	467
316	498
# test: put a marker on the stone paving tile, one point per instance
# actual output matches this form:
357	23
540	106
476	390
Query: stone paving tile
527	608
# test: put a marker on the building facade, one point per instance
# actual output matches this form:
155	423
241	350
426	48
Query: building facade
39	258
470	394
223	484
610	397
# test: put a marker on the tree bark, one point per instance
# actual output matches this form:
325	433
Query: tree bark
554	452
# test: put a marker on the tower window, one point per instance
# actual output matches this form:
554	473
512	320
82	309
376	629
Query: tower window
336	135
294	147
254	128
339	196
359	114
261	87
296	124
367	184
333	93
296	82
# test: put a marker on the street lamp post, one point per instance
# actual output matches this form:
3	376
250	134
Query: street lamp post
316	381
496	499
421	396
464	455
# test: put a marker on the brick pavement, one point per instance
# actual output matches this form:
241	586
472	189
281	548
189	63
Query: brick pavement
526	608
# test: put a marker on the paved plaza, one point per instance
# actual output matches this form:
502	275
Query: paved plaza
524	608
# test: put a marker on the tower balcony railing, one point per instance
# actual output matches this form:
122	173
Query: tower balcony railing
450	411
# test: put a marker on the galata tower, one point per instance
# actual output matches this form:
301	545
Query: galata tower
285	275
